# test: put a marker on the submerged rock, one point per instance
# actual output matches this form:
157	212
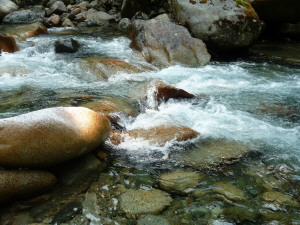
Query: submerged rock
110	107
165	44
103	68
50	136
179	182
153	220
223	25
24	17
139	202
280	198
26	31
7	44
157	135
19	184
68	45
212	153
7	7
229	191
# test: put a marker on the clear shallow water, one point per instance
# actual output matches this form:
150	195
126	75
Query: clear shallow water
257	104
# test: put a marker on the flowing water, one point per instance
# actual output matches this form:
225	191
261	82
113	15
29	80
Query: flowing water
252	103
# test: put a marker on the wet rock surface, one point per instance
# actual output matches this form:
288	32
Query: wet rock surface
66	46
26	31
7	44
164	44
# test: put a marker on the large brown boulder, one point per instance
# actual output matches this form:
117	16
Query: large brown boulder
19	184
223	25
165	44
7	44
26	31
51	136
6	7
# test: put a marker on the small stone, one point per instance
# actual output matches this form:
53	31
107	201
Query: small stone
138	202
280	198
124	24
54	20
179	182
153	220
241	214
58	8
92	23
67	23
66	46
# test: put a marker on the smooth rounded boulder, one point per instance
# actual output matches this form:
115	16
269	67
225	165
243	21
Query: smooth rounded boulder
51	136
20	184
6	7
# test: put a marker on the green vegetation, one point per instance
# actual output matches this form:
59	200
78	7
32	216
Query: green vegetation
243	3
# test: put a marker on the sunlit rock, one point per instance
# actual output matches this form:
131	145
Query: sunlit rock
139	202
157	135
165	44
7	7
20	184
179	182
50	136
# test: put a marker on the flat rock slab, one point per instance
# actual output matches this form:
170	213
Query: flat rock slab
50	136
139	202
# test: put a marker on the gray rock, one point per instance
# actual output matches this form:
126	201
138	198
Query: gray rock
165	44
164	17
223	25
92	23
58	8
7	7
68	45
211	154
100	17
67	23
124	24
54	20
24	17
